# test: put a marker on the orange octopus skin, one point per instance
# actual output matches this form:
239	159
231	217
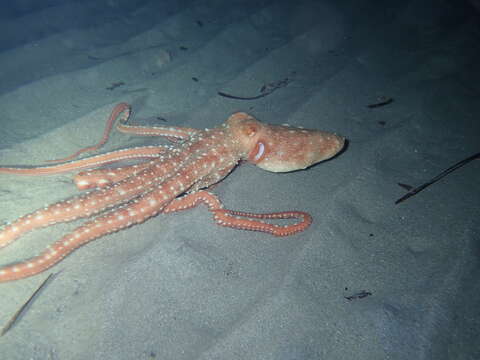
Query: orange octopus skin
170	180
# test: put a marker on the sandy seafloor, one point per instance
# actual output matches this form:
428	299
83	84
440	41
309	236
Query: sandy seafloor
180	287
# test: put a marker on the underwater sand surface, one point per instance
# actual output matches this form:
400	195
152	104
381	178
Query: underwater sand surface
180	287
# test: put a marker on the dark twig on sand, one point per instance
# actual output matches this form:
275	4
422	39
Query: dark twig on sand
360	295
265	90
382	101
438	177
22	308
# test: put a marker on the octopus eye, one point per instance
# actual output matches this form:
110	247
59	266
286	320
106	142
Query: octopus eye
257	152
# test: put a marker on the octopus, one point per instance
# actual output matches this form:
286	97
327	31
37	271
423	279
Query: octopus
165	179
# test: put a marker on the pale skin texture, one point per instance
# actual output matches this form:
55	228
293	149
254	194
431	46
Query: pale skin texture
173	178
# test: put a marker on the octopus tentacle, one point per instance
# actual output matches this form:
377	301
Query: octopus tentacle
90	162
172	133
149	204
113	221
101	178
78	207
123	110
239	219
119	109
90	203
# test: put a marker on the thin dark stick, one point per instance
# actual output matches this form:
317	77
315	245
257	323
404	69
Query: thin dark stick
266	89
438	177
242	97
15	316
383	102
360	295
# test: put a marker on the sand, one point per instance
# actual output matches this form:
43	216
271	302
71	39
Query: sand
180	287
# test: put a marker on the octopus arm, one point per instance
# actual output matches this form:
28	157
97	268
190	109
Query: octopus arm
239	219
122	111
172	133
115	220
101	178
89	203
140	209
90	162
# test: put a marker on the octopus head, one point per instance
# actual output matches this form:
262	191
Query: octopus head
281	148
